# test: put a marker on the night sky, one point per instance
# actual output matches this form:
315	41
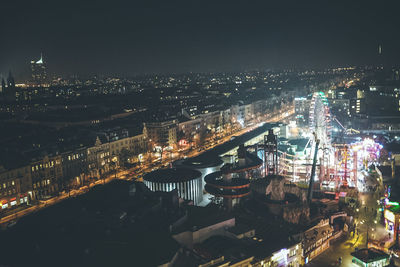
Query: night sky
134	37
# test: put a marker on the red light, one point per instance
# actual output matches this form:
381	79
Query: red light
183	142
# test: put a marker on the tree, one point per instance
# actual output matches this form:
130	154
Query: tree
180	135
202	134
124	156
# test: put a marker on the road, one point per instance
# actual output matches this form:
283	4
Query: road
367	221
347	244
138	172
339	248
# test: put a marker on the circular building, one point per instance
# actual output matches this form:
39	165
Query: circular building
188	182
218	186
205	163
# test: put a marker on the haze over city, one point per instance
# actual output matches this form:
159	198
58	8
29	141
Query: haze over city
135	37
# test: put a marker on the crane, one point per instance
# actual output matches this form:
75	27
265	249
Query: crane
311	185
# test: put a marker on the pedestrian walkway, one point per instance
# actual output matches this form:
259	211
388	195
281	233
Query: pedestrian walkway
341	247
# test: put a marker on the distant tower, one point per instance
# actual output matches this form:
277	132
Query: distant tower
10	91
380	57
10	81
3	85
271	153
39	71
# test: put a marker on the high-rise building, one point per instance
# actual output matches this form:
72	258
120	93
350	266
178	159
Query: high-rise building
39	70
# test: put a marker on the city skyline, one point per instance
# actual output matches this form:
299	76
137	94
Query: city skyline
208	133
138	38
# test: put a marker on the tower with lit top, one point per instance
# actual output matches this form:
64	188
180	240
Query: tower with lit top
39	71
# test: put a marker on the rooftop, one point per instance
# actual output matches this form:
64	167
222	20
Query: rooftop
369	255
173	175
201	217
216	246
88	231
211	157
313	235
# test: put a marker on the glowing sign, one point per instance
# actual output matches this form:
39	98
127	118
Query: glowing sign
390	203
280	255
389	215
183	142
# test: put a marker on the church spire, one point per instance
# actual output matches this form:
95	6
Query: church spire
3	85
10	80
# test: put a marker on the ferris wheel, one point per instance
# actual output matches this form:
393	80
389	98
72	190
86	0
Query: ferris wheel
320	119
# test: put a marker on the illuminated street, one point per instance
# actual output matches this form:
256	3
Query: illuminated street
138	172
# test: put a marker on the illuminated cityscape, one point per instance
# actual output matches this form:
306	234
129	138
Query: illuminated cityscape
203	134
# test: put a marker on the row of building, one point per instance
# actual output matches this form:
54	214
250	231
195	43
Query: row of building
210	237
191	128
47	176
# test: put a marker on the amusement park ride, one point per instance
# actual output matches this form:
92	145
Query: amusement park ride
334	165
271	153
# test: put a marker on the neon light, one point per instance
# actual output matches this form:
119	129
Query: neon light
389	215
